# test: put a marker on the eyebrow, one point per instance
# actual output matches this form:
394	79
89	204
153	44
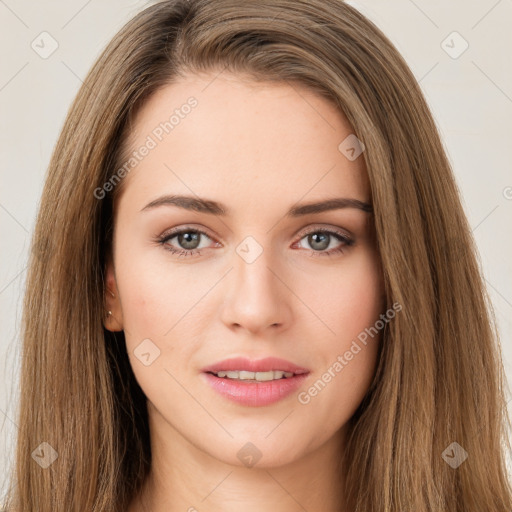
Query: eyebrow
215	208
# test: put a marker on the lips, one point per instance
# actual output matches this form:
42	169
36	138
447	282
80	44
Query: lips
246	391
261	365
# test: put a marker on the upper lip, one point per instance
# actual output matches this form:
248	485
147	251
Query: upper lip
260	365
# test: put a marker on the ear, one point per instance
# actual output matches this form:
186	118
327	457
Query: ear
113	317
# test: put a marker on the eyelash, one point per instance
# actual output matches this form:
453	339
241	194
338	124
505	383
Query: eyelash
197	252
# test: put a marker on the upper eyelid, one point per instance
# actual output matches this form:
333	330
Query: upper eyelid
309	229
167	235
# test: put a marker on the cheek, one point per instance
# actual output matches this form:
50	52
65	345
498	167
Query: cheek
350	298
346	357
141	301
359	301
152	294
161	303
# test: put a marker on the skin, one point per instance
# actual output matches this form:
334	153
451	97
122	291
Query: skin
258	148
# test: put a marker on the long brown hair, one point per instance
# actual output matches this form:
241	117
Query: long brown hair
439	378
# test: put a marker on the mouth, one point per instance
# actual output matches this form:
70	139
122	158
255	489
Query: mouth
246	376
255	383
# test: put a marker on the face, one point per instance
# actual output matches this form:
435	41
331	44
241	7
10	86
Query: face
244	267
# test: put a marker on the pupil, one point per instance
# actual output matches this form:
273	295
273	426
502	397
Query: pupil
188	240
313	240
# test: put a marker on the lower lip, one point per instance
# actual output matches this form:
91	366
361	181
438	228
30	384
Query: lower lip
255	394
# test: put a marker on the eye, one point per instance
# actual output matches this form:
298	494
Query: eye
321	239
188	241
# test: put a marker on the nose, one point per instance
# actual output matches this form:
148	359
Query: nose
257	295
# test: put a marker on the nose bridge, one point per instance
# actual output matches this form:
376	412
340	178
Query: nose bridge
252	263
256	297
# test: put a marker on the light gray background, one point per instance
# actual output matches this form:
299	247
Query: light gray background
470	96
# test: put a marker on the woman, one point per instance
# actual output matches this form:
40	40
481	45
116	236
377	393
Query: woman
186	344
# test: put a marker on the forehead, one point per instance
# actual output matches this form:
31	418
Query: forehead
211	133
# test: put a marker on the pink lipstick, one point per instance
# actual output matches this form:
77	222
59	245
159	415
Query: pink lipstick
255	382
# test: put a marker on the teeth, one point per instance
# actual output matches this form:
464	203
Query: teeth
259	376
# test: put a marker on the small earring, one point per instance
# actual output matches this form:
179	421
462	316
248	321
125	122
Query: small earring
110	291
109	313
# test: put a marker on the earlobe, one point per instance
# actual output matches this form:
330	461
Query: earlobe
113	316
111	323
